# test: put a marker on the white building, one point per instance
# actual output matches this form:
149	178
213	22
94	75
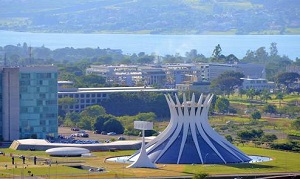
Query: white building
129	75
189	139
84	97
172	74
210	71
257	84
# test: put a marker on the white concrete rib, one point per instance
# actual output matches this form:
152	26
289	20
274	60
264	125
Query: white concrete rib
190	118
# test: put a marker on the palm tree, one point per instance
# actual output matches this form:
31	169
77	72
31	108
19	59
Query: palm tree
250	93
265	95
279	96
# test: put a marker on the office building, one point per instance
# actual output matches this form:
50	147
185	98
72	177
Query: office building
84	97
28	102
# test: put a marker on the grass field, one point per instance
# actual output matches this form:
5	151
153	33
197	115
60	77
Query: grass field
282	162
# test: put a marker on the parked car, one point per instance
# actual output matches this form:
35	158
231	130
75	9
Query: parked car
111	133
75	129
121	138
96	132
104	133
84	135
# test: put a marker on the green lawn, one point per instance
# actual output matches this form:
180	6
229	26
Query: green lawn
282	162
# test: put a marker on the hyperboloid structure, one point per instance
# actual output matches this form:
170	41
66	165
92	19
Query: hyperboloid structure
189	139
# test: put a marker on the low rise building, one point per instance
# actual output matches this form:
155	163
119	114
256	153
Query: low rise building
259	84
169	75
84	97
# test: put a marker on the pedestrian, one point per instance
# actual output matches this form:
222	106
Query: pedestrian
34	160
23	158
12	160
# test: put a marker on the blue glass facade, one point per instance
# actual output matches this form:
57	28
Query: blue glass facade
1	116
38	104
32	100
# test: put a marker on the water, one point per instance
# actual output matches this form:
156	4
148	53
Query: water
159	44
124	159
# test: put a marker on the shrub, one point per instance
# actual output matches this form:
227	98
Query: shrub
200	176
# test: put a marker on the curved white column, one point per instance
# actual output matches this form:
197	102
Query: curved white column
189	119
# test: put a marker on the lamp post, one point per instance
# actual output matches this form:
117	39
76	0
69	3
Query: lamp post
142	160
56	169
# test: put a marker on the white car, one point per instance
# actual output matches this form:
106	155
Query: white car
111	133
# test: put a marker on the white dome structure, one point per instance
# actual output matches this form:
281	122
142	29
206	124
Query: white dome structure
189	139
67	151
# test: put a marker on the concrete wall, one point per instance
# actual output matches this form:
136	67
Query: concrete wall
92	147
10	104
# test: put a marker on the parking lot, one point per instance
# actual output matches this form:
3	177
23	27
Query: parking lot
67	132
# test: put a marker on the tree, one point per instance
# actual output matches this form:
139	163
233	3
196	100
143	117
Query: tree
217	53
108	123
229	138
297	62
296	124
65	102
270	108
145	117
93	111
257	133
89	115
242	92
279	96
90	80
250	93
261	55
269	138
71	119
222	105
287	79
200	176
247	135
86	123
227	82
273	49
265	95
100	122
250	56
113	125
256	115
231	59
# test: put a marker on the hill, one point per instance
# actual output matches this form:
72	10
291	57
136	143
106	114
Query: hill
152	16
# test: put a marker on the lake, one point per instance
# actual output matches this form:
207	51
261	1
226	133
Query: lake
159	44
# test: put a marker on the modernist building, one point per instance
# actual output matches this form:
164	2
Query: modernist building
129	75
259	84
169	75
251	70
84	97
189	139
203	87
28	102
210	71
